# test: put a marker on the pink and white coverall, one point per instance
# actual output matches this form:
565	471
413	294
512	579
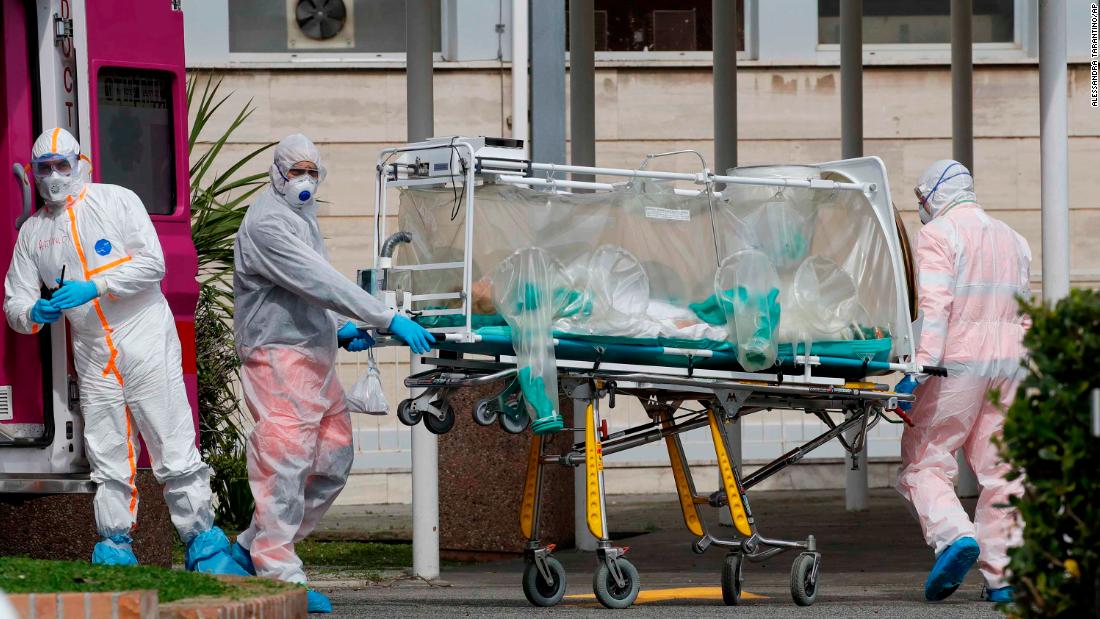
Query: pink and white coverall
971	267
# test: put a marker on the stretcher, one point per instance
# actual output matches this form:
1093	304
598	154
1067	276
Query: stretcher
461	222
676	400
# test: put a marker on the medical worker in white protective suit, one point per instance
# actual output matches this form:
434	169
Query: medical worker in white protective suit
290	314
125	346
970	269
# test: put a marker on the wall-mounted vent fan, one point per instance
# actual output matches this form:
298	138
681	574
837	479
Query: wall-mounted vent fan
320	24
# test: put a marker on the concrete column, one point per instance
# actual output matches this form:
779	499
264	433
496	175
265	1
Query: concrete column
520	46
582	85
425	446
851	145
548	81
425	493
1053	148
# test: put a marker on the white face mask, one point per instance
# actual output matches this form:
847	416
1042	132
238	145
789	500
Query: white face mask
925	216
300	191
56	188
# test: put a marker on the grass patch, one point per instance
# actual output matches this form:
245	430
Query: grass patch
358	555
21	575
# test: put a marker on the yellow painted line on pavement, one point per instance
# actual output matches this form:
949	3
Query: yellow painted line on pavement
649	596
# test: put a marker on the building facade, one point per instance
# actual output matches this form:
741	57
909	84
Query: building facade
345	88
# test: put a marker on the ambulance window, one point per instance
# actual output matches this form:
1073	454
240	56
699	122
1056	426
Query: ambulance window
136	146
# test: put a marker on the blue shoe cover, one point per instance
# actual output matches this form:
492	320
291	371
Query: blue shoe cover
950	569
114	550
208	553
1002	595
318	602
242	557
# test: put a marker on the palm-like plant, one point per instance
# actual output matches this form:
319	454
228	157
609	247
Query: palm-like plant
217	208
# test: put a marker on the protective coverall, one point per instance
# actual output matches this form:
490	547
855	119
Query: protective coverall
125	345
288	298
970	269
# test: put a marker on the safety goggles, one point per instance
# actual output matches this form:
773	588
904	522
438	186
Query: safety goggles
313	173
921	200
46	165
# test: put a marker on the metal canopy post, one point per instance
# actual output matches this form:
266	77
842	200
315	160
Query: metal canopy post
725	84
962	83
1053	148
962	146
547	22
582	86
548	146
724	68
851	145
425	445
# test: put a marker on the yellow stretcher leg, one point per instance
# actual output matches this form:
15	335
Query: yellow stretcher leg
593	465
729	481
684	489
530	488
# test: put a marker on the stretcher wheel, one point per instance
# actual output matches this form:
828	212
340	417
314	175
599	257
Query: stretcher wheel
612	595
436	425
731	579
803	580
484	415
537	590
514	424
406	415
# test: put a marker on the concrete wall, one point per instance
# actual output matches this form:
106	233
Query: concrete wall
787	115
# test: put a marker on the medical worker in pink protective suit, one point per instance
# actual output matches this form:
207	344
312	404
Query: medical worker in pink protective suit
289	304
970	269
125	346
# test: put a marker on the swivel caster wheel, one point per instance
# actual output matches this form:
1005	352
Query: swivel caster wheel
484	415
436	425
406	414
731	579
804	578
514	424
537	590
611	594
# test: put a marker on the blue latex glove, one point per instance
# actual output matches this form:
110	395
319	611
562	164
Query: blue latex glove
906	385
353	338
418	338
347	332
43	312
73	294
360	344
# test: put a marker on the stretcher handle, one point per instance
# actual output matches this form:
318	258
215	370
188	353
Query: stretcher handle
934	370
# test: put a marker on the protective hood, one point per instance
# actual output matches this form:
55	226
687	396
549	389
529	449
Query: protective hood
945	183
289	151
56	189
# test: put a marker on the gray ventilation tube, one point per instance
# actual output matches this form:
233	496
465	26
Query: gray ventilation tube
391	243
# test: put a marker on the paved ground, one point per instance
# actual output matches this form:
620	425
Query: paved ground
873	566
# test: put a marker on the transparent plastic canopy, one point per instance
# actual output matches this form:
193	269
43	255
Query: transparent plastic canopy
752	270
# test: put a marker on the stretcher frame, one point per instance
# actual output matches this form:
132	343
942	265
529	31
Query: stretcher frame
662	394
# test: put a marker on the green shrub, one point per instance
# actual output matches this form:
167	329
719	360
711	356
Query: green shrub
1047	437
219	200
